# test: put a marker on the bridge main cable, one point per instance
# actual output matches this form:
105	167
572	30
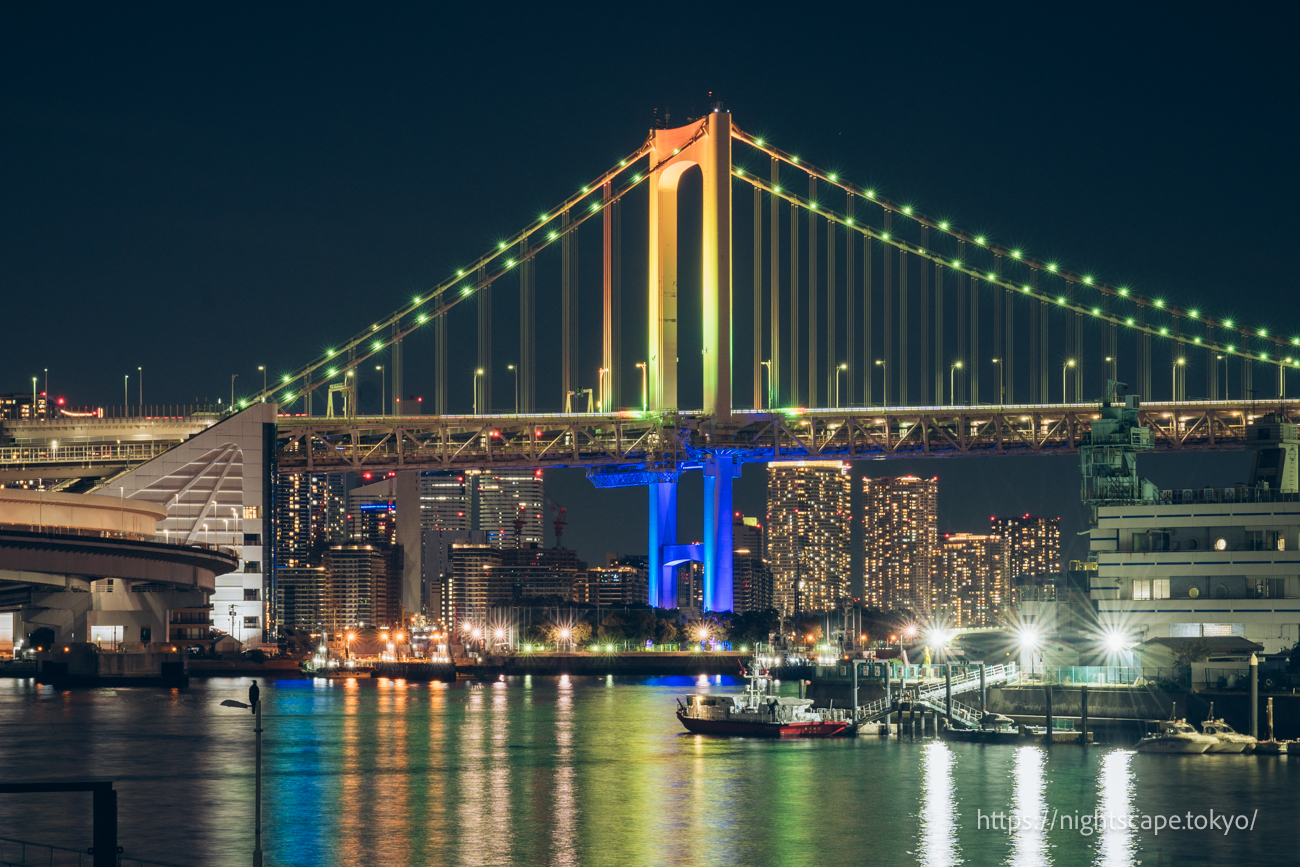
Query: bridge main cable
1010	253
997	279
392	328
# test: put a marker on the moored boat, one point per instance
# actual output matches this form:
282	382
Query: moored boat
1176	736
1227	740
755	713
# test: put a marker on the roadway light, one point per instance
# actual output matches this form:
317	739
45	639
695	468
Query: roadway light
1029	638
1115	640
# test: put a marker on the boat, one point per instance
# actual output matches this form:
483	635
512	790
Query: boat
1038	734
994	728
1226	739
1176	736
756	714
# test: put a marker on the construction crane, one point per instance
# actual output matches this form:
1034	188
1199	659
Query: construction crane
559	523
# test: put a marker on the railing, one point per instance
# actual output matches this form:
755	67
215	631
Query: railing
83	532
130	453
63	414
24	853
1085	675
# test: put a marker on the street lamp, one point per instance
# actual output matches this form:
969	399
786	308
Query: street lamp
1226	381
139	370
477	374
600	388
233	377
257	753
126	394
1112	389
232	610
952	383
1179	366
768	365
1069	364
841	369
1002	381
515	370
262	367
884	382
383	387
645	405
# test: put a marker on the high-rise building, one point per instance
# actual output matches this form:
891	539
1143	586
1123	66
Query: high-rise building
970	583
302	593
509	496
1033	544
309	512
613	586
372	513
900	514
808	534
445	501
363	587
751	578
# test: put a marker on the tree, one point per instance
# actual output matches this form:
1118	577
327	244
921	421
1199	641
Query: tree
41	639
753	627
1192	651
613	629
566	633
666	632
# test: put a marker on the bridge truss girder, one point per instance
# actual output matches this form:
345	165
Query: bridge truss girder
662	442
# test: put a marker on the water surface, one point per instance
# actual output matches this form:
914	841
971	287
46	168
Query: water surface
596	771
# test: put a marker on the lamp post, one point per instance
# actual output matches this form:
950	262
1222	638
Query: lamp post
47	394
841	369
257	790
383	387
140	387
1179	367
515	370
884	382
600	389
262	367
1114	377
477	374
1069	364
1002	381
767	366
233	377
232	612
952	383
126	394
1217	359
645	404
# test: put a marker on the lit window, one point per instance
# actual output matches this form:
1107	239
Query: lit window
250	513
1141	590
1160	588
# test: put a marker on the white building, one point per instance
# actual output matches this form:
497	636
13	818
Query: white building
215	488
1214	566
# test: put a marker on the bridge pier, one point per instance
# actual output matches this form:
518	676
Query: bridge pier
662	533
720	471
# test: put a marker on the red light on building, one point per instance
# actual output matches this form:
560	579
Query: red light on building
60	401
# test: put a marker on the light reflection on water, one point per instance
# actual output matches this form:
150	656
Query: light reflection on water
939	844
1028	806
586	771
1115	846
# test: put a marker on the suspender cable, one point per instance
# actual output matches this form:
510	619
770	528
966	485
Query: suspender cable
832	362
485	348
868	321
812	295
850	312
794	304
758	299
774	291
527	331
887	335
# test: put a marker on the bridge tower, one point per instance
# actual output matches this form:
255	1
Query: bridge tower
706	144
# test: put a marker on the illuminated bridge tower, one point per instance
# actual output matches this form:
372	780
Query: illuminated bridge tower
706	144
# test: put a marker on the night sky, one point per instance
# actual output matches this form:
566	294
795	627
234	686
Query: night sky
200	190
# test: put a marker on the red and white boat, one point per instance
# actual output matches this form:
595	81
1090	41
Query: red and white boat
756	714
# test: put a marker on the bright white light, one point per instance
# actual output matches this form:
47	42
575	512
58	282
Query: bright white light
1029	637
1116	641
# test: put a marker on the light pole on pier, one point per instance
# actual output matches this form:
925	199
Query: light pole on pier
952	383
257	761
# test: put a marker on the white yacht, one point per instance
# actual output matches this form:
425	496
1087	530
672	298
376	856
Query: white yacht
1226	739
1176	736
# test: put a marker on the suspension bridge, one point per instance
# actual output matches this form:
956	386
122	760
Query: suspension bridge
869	329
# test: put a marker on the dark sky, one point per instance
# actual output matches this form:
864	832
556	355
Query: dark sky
201	189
